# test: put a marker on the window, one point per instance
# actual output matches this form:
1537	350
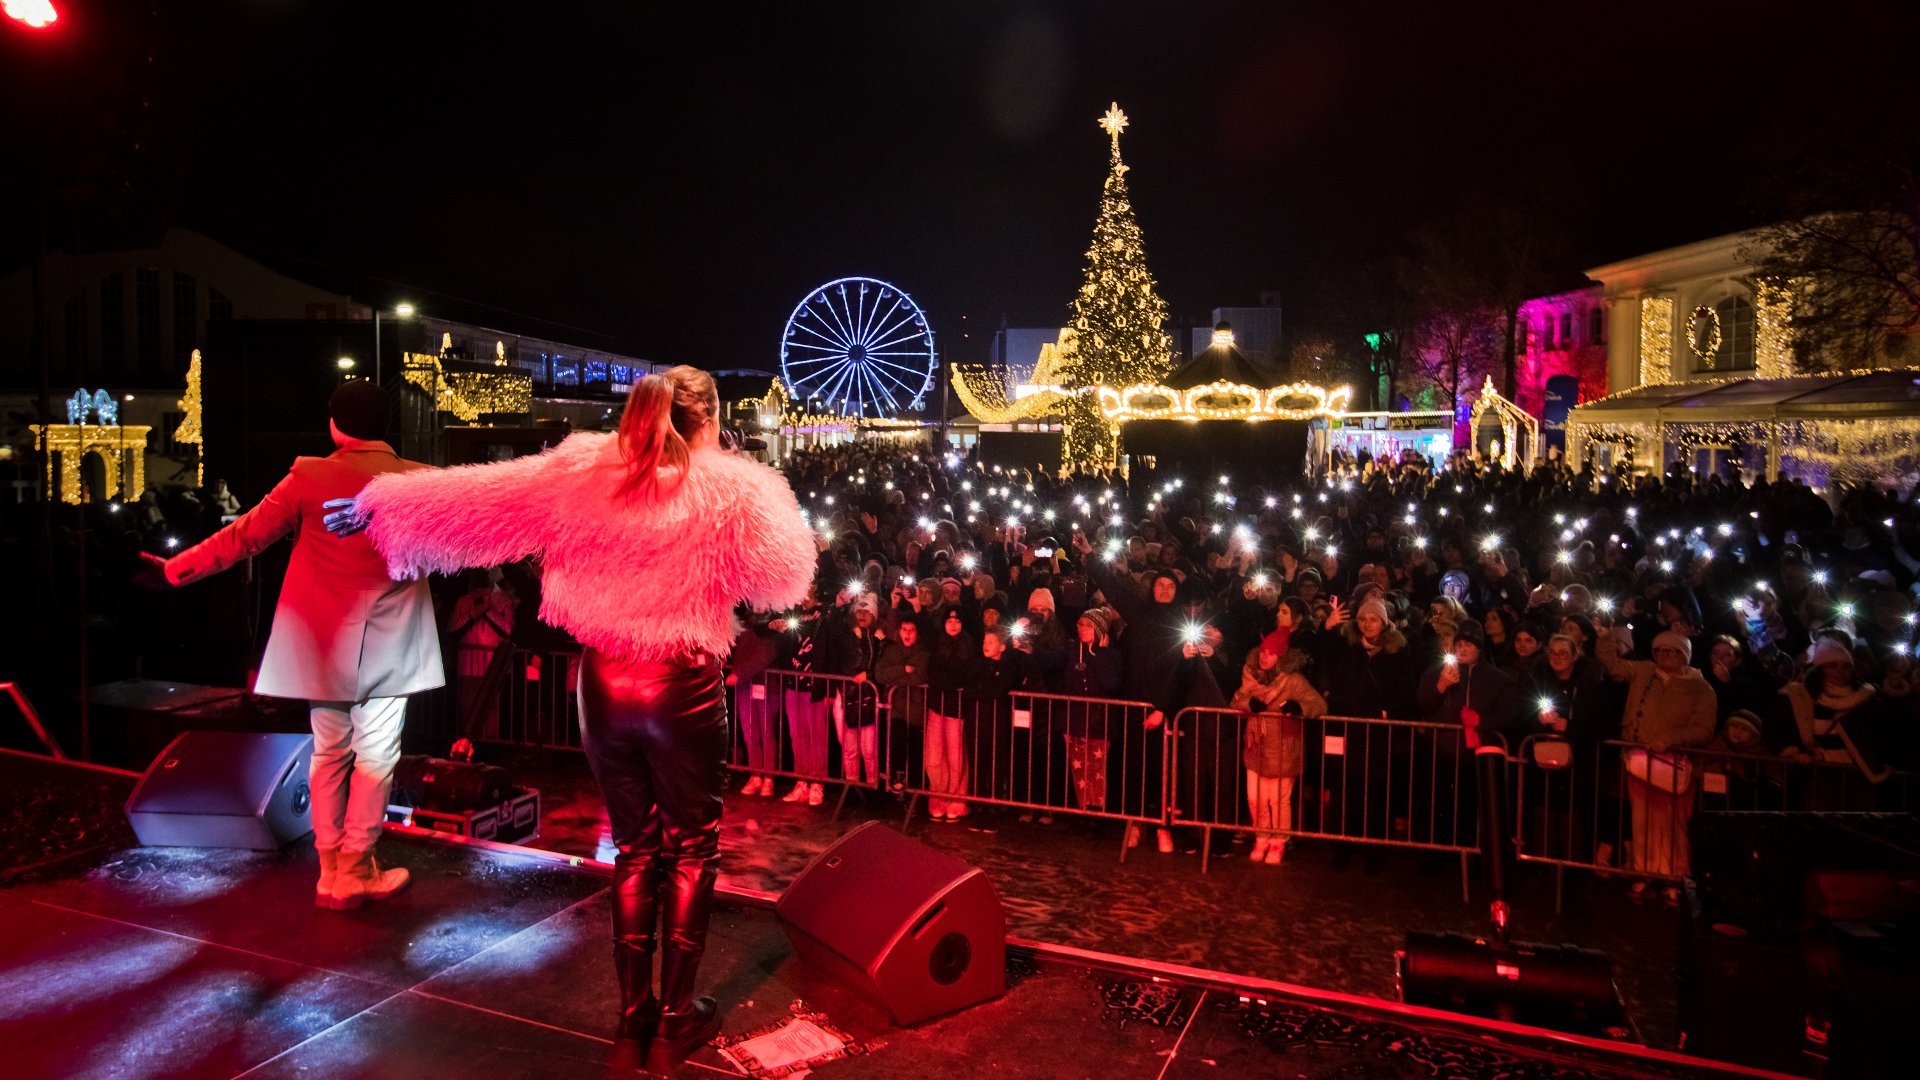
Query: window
218	306
186	311
146	316
1566	329
113	322
1546	333
1736	336
1597	326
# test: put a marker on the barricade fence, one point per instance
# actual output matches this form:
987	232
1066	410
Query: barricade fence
1622	807
1611	807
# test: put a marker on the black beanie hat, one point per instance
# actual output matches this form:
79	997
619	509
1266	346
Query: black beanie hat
359	409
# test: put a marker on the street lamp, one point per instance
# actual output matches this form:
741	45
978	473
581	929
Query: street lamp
345	363
403	311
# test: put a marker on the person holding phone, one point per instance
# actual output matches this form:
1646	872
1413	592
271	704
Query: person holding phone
648	538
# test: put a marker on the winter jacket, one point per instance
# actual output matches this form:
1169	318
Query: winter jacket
640	577
1669	713
1276	702
1153	637
902	675
1093	671
950	672
1490	694
1366	685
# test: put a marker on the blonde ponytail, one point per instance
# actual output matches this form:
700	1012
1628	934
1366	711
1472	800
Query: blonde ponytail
663	411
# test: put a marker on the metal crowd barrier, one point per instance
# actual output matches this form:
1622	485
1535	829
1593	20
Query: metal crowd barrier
800	725
524	696
1391	783
1616	807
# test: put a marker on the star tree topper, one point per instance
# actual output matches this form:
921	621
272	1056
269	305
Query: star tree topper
1114	122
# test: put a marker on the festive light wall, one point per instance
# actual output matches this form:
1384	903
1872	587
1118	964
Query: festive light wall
189	429
1656	340
470	394
117	445
1772	330
1118	315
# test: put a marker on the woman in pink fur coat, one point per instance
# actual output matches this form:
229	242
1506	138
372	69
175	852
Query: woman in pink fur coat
647	539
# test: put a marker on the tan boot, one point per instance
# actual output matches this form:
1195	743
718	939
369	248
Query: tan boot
329	872
359	879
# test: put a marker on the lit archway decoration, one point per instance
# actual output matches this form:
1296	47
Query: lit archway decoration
1513	421
122	449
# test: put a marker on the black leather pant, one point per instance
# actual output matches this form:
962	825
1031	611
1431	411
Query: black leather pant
656	739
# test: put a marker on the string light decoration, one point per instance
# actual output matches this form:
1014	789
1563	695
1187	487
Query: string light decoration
986	394
1118	315
1656	340
1704	320
468	395
122	449
1223	401
189	429
1772	329
1827	453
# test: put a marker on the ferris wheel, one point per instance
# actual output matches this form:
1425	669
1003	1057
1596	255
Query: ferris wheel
858	346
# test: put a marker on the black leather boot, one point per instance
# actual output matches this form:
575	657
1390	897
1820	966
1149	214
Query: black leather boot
687	1023
636	915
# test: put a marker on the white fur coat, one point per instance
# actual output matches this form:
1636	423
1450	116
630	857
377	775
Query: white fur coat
641	578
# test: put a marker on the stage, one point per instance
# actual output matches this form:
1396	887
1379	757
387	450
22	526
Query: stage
158	962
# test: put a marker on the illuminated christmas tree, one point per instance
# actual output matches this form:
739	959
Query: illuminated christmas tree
1120	319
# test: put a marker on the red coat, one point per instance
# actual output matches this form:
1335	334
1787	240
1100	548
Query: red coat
344	630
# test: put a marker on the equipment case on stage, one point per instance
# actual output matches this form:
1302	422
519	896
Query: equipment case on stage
512	822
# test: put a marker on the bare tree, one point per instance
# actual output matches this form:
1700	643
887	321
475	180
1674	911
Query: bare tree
1848	251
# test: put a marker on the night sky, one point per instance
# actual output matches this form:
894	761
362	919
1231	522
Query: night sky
670	179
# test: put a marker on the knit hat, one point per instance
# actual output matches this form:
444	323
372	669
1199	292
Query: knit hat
359	409
1378	607
1828	651
1276	642
953	581
1041	599
1743	718
1099	618
1671	639
1470	632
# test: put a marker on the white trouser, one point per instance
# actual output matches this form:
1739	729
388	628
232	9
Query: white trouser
355	748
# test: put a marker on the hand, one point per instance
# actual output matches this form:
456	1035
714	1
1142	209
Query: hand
1155	719
1189	650
346	518
778	626
732	679
860	677
1722	672
1336	614
879	633
1081	545
1449	676
1553	721
152	573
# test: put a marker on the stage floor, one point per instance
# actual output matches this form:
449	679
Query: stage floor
150	962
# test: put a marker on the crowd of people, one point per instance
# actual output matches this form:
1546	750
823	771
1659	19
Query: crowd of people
1673	613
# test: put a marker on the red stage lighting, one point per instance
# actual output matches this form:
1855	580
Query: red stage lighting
38	14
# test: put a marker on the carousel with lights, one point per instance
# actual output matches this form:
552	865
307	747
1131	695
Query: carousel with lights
1220	409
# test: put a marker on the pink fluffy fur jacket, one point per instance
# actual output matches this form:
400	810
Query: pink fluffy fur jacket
639	577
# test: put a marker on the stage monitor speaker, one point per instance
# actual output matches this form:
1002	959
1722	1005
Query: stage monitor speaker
921	933
1551	986
225	789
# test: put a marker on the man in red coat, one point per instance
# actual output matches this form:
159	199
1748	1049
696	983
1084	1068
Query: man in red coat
346	638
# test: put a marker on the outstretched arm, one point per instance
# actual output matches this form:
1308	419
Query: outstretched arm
251	533
770	554
441	520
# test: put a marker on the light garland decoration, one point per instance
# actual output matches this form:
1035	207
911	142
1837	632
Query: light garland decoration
1772	330
984	392
1631	437
1656	340
1512	420
117	445
468	395
1223	401
189	429
1849	451
1710	319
